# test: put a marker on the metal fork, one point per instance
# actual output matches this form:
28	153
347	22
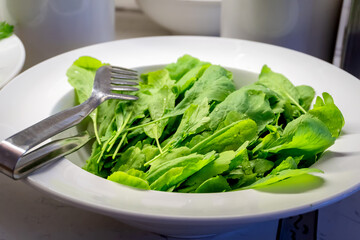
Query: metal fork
20	154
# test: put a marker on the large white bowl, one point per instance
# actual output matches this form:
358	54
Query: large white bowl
189	17
43	89
12	58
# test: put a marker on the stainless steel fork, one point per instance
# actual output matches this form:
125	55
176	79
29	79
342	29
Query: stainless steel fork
21	154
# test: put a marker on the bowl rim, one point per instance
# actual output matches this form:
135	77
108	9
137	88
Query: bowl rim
43	178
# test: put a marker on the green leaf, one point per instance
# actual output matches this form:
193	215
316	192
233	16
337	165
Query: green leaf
150	151
6	30
92	165
305	136
248	138
288	163
306	96
133	157
220	165
194	140
159	99
156	80
183	65
281	85
188	80
156	171
169	179
131	178
82	80
228	138
237	179
193	120
241	159
215	184
162	101
253	101
215	85
81	77
88	63
328	113
266	141
174	172
279	176
168	156
261	166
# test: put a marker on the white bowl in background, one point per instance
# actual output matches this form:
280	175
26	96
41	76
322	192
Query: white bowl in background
188	17
12	58
184	214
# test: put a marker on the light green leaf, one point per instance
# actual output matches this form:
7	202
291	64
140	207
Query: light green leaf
281	175
305	136
329	114
129	179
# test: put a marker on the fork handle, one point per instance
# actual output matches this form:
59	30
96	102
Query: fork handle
43	130
14	147
43	155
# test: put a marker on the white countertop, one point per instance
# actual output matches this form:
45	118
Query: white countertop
26	213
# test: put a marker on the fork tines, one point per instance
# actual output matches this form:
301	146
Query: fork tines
123	76
124	71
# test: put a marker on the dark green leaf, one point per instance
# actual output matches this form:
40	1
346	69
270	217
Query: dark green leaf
6	30
215	184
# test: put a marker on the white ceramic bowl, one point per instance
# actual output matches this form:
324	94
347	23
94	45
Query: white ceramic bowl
189	17
178	213
12	58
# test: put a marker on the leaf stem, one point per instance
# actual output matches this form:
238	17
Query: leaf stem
96	130
119	145
295	102
119	131
152	122
157	143
103	150
156	157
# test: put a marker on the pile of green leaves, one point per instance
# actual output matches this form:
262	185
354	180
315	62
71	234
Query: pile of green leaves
5	30
192	131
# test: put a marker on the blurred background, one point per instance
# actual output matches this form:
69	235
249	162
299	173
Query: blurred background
315	27
326	29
